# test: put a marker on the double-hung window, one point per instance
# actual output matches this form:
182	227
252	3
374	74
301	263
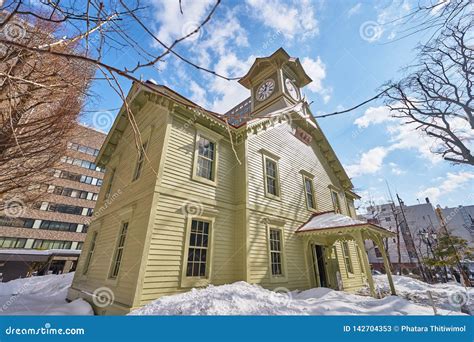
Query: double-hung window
272	181
118	255
140	160
276	252
335	202
206	154
309	193
347	257
90	253
198	251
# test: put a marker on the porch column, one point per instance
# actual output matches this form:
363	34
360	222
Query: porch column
379	243
365	260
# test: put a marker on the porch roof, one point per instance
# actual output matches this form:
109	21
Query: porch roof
331	222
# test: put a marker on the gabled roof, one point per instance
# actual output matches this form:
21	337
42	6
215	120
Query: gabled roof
279	57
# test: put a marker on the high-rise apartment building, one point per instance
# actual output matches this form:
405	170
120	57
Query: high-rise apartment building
47	235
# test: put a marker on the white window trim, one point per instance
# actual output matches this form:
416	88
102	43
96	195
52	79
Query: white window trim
268	155
277	278
197	281
213	137
307	175
348	257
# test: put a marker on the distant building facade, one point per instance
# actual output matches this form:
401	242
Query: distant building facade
417	228
460	221
47	236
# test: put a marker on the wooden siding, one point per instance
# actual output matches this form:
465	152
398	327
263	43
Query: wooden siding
294	156
129	201
175	190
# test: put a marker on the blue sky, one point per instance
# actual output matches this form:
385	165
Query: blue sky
349	48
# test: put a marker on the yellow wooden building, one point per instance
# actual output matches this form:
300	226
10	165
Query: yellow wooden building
256	194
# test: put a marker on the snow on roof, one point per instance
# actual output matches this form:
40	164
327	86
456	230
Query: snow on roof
39	252
329	220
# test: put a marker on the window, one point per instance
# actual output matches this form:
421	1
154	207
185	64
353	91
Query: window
388	219
272	186
378	254
309	193
139	166
6	242
347	257
90	253
198	251
119	251
276	256
206	158
52	244
335	201
58	225
109	185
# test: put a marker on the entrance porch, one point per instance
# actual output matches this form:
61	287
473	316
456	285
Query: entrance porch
323	231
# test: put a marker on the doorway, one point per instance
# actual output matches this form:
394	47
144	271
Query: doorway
319	264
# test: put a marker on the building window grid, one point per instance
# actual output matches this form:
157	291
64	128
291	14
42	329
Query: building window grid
276	253
66	209
206	158
198	249
8	242
51	244
75	193
84	149
82	163
119	251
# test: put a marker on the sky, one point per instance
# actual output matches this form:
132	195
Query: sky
349	49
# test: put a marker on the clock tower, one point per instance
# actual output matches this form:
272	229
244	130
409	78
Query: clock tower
275	82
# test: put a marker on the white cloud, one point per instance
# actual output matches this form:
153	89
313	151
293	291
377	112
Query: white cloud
295	20
370	162
173	24
198	94
396	170
316	69
229	93
354	10
402	136
453	181
374	115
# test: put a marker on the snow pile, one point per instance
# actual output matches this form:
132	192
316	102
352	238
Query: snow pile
45	295
329	220
449	296
241	298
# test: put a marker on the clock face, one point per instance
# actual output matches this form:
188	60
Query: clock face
265	89
290	87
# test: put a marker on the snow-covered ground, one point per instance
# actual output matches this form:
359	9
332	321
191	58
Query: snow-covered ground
241	298
449	296
44	295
